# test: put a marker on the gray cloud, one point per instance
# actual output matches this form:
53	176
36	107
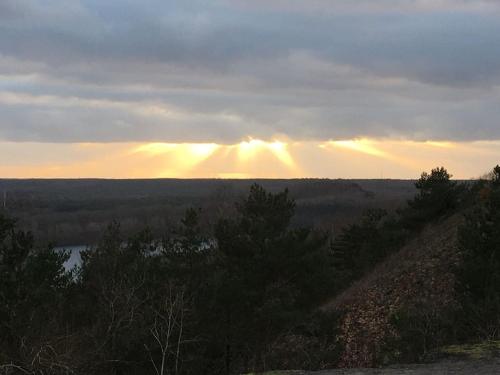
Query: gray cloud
192	71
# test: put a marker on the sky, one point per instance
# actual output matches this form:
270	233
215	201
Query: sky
248	88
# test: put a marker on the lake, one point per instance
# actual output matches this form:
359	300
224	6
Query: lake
75	257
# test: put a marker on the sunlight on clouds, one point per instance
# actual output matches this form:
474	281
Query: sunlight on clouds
203	150
440	144
280	150
360	145
249	149
356	158
406	159
242	159
179	158
155	148
191	150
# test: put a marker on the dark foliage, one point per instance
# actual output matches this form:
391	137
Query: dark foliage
437	196
188	304
479	275
476	317
420	330
239	297
362	245
378	234
33	284
269	276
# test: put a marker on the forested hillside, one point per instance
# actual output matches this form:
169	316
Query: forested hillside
75	212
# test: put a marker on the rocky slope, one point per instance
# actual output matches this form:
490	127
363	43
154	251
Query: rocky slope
419	276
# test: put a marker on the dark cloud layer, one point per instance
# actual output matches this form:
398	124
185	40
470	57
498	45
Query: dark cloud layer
222	70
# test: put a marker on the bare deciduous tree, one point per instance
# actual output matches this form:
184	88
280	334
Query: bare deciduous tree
167	333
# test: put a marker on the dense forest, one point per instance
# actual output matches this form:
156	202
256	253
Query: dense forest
243	294
76	212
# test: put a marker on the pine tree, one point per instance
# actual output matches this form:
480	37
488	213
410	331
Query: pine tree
479	275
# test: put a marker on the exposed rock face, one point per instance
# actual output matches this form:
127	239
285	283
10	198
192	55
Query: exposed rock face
419	275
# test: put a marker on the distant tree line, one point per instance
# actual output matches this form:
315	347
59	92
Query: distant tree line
243	297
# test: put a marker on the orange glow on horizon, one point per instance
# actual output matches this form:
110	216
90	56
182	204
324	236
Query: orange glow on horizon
360	145
249	149
253	158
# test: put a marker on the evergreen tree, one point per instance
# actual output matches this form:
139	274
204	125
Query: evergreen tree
437	195
33	282
268	274
479	275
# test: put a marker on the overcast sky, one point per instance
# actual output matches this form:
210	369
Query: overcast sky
223	71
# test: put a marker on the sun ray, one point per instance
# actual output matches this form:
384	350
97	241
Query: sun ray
440	144
155	148
280	150
253	158
251	148
179	158
360	145
202	150
248	149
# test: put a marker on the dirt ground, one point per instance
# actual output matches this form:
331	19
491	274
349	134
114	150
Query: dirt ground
469	367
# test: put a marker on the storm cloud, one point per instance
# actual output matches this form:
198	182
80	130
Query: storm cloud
221	71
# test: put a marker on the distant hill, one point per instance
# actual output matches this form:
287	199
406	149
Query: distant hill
75	211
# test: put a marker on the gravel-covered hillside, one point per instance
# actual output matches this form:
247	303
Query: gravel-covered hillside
419	276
